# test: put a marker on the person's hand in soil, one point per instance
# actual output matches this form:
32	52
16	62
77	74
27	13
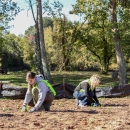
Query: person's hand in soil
24	109
96	104
32	110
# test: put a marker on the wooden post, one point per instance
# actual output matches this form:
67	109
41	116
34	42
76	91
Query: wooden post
115	74
63	87
0	86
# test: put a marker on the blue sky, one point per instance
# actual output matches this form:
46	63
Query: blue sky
24	19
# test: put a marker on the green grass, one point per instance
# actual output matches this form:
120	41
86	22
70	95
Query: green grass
18	78
78	76
15	78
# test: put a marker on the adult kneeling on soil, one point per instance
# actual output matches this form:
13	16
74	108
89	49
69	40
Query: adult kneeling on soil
39	91
85	92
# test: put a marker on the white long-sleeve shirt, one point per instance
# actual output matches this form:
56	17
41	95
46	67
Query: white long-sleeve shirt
42	89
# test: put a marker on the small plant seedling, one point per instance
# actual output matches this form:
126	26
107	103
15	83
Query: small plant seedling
27	109
42	115
5	109
108	111
91	120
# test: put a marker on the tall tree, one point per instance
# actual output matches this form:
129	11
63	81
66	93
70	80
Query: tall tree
38	62
117	40
93	30
41	60
46	71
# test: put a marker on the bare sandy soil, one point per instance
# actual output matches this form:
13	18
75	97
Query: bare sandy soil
114	114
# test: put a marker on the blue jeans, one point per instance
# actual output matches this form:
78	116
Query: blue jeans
82	97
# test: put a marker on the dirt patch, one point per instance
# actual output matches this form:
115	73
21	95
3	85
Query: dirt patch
114	114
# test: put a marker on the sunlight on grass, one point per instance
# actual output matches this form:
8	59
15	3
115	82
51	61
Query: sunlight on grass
15	78
75	77
71	77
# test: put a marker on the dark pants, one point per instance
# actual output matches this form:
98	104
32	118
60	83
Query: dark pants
48	98
82	97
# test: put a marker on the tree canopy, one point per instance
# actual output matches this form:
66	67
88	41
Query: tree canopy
91	42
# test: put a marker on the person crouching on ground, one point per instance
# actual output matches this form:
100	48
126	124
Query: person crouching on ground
85	92
38	92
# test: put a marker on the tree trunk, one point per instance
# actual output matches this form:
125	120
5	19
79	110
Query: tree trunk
118	49
39	68
63	42
46	71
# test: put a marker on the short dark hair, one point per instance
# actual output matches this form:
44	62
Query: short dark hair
30	75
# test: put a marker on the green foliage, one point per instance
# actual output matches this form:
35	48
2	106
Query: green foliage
2	42
94	29
18	51
8	10
62	37
29	56
47	22
53	9
13	51
27	51
30	31
70	45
